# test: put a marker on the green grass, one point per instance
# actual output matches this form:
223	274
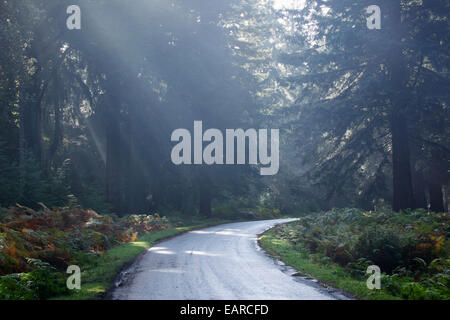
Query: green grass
98	275
332	275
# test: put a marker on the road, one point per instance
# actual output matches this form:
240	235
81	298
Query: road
217	263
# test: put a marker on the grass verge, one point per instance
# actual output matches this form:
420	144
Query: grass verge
333	275
98	275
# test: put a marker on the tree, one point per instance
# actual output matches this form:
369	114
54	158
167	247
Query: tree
357	90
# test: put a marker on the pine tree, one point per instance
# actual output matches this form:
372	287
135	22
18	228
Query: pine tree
361	93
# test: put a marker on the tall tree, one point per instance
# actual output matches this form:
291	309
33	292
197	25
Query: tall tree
356	89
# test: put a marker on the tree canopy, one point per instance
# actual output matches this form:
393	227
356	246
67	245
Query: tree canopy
87	115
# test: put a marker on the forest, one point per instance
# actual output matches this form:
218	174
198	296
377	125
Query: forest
87	114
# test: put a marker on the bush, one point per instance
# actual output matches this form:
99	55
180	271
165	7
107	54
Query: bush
15	287
411	248
57	236
41	283
24	183
384	247
37	246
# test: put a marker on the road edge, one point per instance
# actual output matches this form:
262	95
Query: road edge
300	276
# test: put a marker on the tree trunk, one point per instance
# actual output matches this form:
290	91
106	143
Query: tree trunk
401	167
127	170
58	130
31	120
113	149
436	197
205	196
420	200
446	194
187	197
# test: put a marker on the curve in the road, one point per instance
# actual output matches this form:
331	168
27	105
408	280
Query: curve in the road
222	262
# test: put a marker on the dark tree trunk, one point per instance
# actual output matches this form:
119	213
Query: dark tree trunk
58	130
187	205
187	199
420	199
127	171
205	197
436	197
73	176
113	164
401	169
437	178
31	120
113	149
446	198
205	202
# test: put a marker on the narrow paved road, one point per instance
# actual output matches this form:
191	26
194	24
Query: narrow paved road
222	262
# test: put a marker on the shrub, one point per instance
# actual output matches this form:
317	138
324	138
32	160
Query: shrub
384	247
411	248
57	236
40	283
14	287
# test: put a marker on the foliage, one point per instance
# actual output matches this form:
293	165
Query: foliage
42	282
26	184
93	196
321	268
86	119
355	100
62	236
411	248
37	246
233	212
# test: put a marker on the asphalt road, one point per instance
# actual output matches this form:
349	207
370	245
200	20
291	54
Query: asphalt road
222	262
